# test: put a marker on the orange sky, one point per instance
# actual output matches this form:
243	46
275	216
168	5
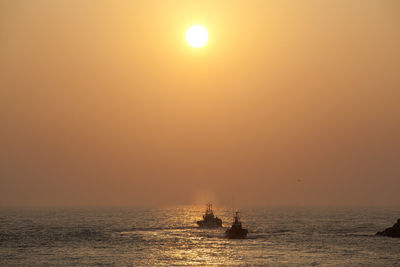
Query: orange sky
289	103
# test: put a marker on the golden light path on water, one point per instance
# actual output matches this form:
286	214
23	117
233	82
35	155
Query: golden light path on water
193	245
182	242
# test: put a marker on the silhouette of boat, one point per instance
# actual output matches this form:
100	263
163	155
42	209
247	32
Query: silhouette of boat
209	220
236	231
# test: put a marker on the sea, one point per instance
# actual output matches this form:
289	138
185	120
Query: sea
132	236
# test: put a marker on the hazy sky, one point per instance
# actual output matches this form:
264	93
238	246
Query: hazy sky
289	103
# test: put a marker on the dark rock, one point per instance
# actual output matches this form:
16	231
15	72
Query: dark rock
393	231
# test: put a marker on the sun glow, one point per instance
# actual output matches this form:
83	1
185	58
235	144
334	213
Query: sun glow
197	36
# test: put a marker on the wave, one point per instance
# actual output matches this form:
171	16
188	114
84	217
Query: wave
133	229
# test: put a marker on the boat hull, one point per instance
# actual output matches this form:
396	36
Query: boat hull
210	224
236	234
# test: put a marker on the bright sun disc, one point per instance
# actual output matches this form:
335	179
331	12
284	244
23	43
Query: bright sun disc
197	36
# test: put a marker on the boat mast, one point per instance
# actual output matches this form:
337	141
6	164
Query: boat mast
209	208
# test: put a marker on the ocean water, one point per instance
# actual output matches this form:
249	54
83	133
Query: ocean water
127	236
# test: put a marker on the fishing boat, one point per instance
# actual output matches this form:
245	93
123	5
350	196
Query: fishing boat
236	231
209	220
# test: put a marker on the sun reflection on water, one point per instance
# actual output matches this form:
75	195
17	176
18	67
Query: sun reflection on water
182	242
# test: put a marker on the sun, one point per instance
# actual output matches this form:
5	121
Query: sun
197	36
